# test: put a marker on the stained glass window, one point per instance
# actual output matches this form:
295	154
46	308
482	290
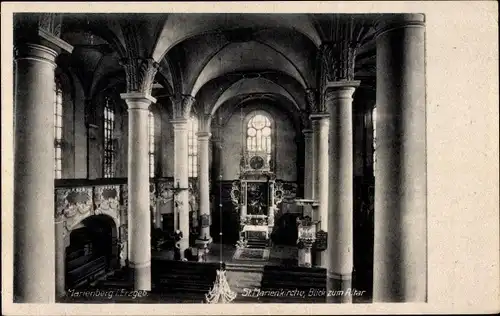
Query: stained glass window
259	135
58	122
192	147
109	143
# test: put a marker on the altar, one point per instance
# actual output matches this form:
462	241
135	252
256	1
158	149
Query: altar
255	231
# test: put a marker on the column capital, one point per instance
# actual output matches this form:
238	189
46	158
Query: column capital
312	100
43	29
204	122
307	132
138	100
318	116
140	73
396	21
216	140
340	89
36	52
182	106
203	136
338	52
179	123
304	115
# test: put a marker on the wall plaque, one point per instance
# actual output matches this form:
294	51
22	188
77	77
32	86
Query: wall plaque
321	240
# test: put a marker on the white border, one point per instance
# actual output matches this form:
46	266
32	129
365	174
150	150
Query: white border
463	174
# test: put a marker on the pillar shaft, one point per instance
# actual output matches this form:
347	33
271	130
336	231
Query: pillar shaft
320	125
139	214
60	254
34	236
181	179
308	166
400	256
204	185
340	211
271	208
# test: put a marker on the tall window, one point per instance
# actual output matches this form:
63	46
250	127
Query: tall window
259	135
58	129
192	147
374	123
109	144
151	145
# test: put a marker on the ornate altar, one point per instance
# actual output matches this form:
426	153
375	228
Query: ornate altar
254	196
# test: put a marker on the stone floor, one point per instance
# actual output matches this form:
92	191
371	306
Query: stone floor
278	255
241	274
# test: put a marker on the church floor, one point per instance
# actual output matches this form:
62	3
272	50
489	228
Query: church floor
278	255
244	276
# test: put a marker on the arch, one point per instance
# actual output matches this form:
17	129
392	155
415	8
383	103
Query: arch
106	217
94	241
247	86
179	27
241	57
229	108
80	222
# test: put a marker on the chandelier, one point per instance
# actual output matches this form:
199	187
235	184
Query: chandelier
221	292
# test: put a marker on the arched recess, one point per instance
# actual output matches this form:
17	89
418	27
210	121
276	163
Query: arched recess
93	249
242	57
274	101
249	86
208	95
231	127
179	27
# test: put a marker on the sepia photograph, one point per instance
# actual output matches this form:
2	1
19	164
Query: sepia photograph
221	157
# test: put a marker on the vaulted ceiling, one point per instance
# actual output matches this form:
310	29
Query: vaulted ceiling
219	59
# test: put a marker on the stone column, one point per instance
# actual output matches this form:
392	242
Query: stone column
181	178
338	99
307	260
34	236
181	111
400	254
308	164
271	208
204	187
60	253
139	215
158	218
320	125
243	202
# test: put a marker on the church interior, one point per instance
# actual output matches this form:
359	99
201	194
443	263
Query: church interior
234	157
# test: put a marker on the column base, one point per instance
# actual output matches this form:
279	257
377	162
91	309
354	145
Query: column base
203	242
339	289
320	259
140	274
60	295
183	245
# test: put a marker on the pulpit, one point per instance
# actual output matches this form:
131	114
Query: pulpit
306	227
